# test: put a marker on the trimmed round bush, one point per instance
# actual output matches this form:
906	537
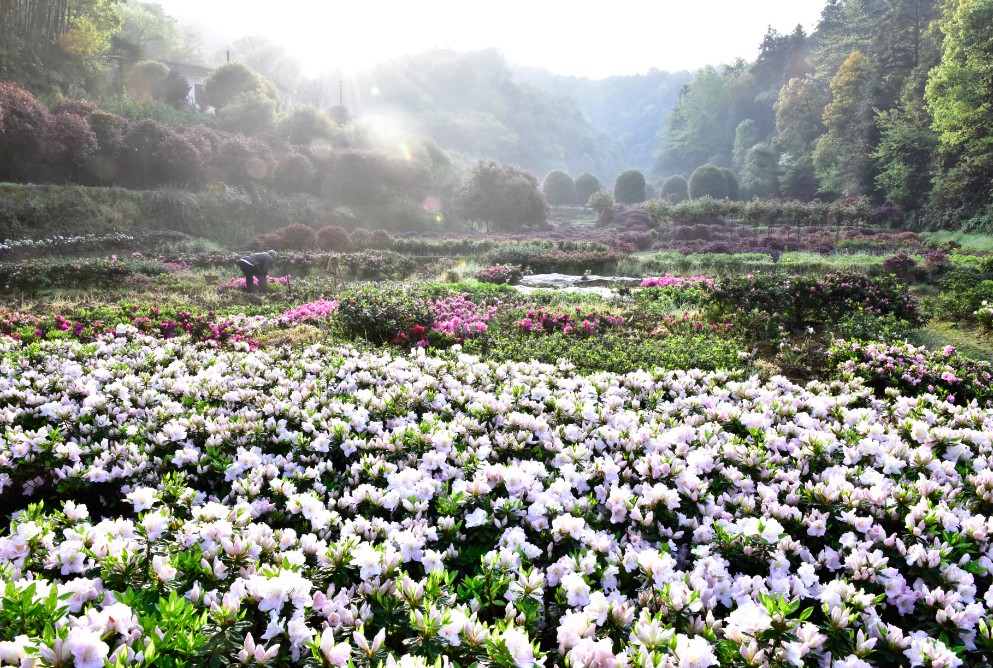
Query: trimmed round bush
333	238
559	188
732	181
708	181
361	238
380	240
629	187
586	185
675	189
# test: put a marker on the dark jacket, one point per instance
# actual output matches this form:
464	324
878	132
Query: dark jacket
261	261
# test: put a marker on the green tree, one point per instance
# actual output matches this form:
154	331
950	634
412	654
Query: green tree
231	80
746	135
696	129
303	125
675	189
959	96
732	181
559	188
503	197
586	185
604	206
251	113
798	125
842	156
758	176
146	78
708	181
629	187
268	59
46	43
905	158
155	35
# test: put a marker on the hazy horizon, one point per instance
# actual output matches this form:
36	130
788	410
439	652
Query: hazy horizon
627	39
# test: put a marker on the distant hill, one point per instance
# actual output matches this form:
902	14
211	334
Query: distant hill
475	106
630	110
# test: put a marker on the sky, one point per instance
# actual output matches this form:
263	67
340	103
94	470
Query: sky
616	37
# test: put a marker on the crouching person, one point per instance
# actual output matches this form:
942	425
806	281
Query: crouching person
257	266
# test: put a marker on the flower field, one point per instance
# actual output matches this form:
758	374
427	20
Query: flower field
178	503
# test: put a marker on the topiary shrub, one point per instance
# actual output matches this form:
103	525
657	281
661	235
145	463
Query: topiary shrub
380	240
732	181
629	187
297	237
333	238
361	238
559	188
586	185
708	181
292	237
675	189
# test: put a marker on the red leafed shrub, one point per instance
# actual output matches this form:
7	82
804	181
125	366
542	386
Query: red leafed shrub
75	107
295	172
333	238
23	123
361	238
380	240
292	237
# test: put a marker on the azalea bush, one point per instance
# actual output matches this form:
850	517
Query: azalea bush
576	321
382	315
913	371
458	317
499	274
181	505
797	303
89	324
33	276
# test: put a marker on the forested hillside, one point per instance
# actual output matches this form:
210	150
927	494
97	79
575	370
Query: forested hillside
889	99
473	105
629	109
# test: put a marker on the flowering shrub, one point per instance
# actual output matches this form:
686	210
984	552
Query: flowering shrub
240	283
384	316
670	281
800	302
311	312
90	324
913	371
329	506
34	275
62	244
576	321
500	274
458	317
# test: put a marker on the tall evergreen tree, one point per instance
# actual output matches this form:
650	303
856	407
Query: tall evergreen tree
960	97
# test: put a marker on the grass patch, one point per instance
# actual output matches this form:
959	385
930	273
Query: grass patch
967	341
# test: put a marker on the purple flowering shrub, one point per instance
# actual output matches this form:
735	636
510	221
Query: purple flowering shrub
236	284
670	281
458	317
577	321
319	311
500	274
88	325
912	371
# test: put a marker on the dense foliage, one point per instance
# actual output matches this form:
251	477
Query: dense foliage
887	99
